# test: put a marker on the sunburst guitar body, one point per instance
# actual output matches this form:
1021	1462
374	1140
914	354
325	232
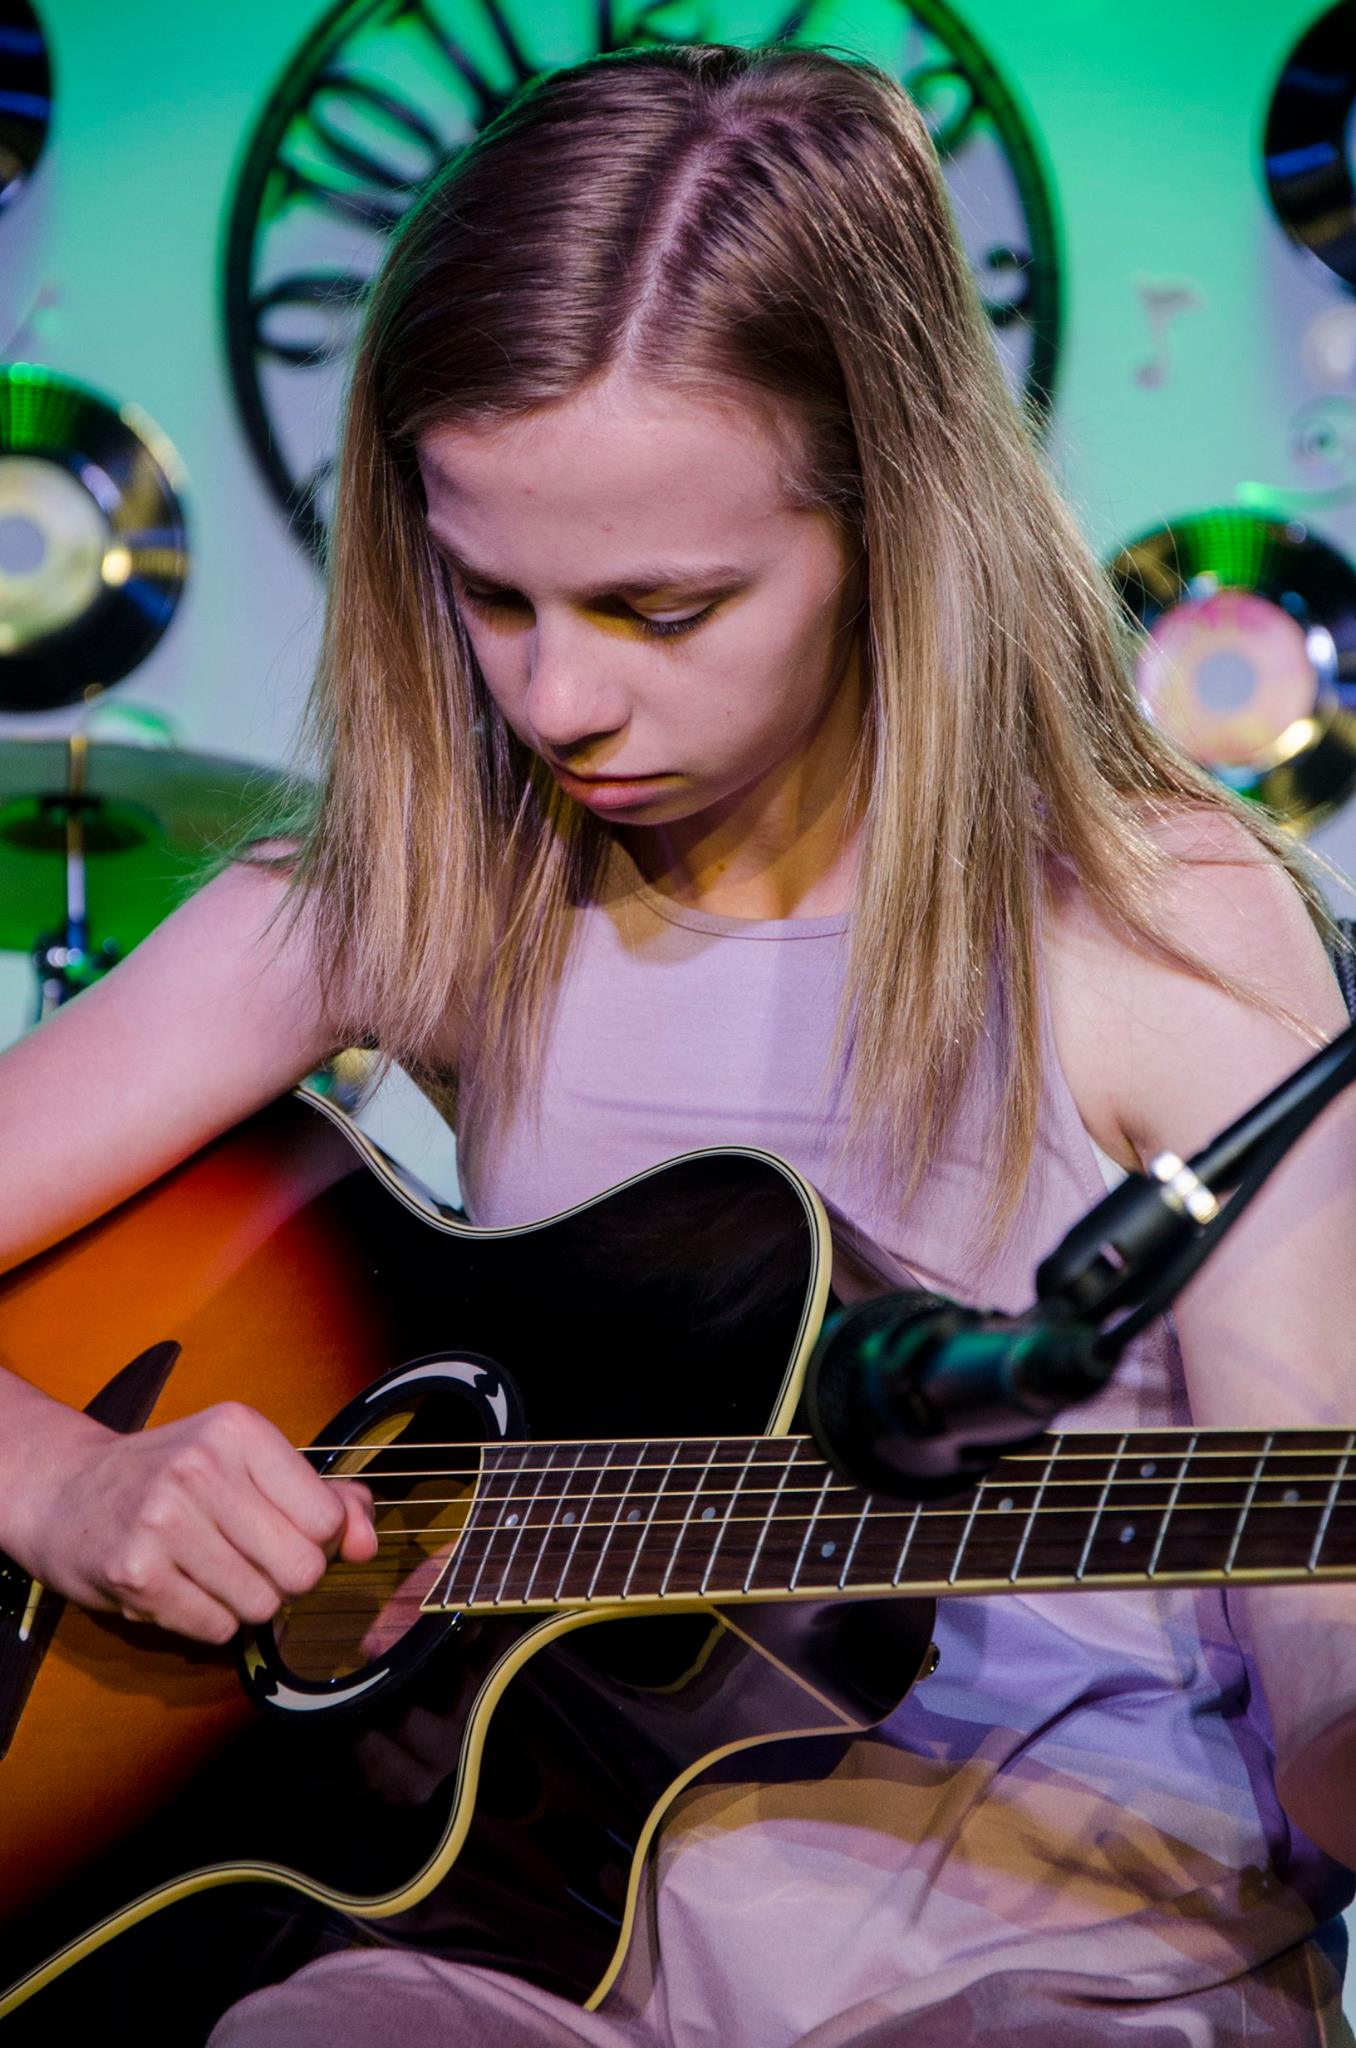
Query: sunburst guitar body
179	1824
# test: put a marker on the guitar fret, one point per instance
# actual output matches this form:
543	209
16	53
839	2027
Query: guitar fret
583	1519
527	1519
442	1594
648	1528
809	1531
729	1510
1097	1511
768	1520
616	1517
561	1498
504	1500
1172	1502
965	1534
1331	1501
1247	1503
856	1539
907	1544
1056	1441
687	1514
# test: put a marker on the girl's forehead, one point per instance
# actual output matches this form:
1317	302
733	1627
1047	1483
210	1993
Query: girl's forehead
579	506
613	437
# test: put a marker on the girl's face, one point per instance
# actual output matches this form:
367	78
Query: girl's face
648	614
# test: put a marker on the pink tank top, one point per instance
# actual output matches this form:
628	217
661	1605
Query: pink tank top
1085	1783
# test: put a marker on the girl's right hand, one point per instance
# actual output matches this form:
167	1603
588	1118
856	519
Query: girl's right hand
198	1525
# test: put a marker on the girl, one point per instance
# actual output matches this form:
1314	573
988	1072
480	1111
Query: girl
729	738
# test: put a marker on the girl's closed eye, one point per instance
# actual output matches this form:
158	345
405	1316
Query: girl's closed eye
502	600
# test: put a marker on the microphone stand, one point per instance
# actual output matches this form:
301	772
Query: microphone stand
1143	1241
911	1394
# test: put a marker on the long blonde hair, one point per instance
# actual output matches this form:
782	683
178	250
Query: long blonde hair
770	221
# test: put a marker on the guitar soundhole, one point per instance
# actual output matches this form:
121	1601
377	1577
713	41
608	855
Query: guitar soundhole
423	1481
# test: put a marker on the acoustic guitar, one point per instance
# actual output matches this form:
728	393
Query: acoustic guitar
608	1564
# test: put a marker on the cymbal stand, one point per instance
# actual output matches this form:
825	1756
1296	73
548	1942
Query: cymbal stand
63	960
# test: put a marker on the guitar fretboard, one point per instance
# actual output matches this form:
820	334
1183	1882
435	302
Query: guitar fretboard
758	1518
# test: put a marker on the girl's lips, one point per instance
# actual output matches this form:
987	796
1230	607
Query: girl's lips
609	792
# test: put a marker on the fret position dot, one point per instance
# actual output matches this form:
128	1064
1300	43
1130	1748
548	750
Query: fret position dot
707	1513
634	1515
1290	1496
1006	1505
510	1521
1128	1533
1147	1471
827	1549
568	1516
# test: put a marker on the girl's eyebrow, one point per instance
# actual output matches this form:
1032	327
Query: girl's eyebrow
641	582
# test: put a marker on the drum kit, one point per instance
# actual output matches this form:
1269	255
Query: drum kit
99	841
99	837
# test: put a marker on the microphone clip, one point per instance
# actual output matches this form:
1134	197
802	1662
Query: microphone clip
912	1393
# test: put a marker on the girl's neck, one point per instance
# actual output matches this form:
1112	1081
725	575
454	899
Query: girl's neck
813	876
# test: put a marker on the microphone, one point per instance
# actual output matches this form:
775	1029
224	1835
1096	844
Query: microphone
913	1395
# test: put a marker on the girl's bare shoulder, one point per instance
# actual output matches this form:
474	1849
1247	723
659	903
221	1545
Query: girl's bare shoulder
1149	1047
216	1012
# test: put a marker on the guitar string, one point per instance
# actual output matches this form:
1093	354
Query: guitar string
499	1485
933	1512
920	1588
326	1600
355	1573
1249	1445
1146	1472
329	1608
399	1466
1145	1494
347	1579
777	1462
447	1517
352	1576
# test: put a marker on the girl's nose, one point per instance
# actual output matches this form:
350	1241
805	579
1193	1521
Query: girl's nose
570	699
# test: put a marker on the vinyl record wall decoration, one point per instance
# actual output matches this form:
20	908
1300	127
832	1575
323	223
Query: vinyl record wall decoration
93	545
25	96
1249	654
1310	142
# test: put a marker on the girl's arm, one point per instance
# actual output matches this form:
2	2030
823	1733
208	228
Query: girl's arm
209	1521
1268	1324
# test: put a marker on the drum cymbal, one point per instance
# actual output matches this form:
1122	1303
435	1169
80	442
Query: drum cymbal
150	816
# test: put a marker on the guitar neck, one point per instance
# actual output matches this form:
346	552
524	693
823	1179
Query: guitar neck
554	1525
